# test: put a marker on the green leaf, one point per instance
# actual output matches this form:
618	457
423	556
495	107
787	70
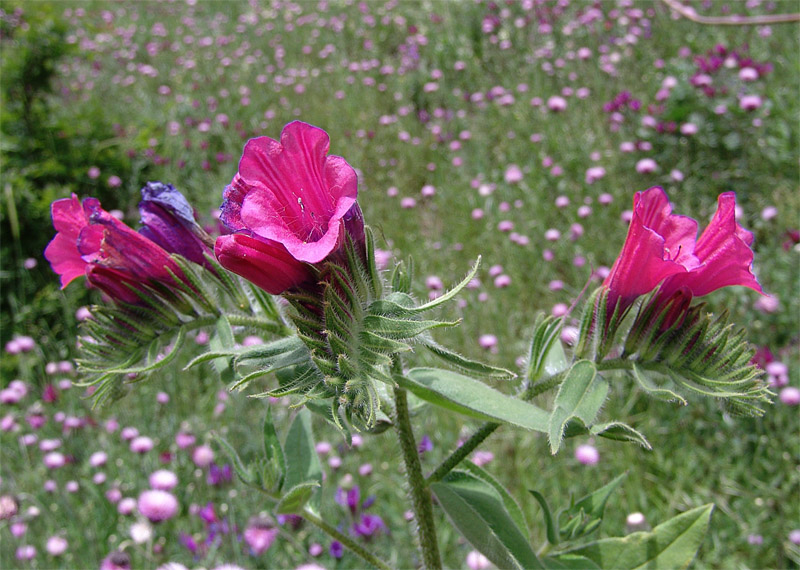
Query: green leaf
510	503
581	395
472	398
652	389
551	524
243	472
297	497
465	364
476	509
273	452
302	462
569	562
672	544
620	431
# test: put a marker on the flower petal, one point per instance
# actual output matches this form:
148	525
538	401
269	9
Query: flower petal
724	250
266	264
645	260
295	194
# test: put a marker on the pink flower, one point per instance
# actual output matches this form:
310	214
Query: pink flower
646	166
662	246
114	258
290	204
750	102
157	506
259	536
587	454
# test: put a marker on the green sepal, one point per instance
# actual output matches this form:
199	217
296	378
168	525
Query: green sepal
546	354
402	276
652	389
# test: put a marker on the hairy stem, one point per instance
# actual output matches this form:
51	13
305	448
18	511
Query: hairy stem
359	550
420	494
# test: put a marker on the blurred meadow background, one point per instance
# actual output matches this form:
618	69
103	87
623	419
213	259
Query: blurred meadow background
518	131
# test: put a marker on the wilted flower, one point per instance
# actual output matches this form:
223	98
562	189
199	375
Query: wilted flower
169	221
289	205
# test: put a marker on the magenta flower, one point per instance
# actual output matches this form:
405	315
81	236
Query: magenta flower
662	246
114	258
289	205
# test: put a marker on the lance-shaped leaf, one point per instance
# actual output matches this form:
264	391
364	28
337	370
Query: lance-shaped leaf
477	510
672	544
569	562
400	328
581	395
302	462
511	505
463	363
550	522
472	398
274	460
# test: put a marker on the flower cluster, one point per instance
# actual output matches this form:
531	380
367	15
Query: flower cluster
120	262
663	249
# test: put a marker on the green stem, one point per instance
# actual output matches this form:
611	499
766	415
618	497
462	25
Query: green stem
420	493
459	454
365	555
487	429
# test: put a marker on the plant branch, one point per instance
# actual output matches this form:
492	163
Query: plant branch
359	550
420	494
736	20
